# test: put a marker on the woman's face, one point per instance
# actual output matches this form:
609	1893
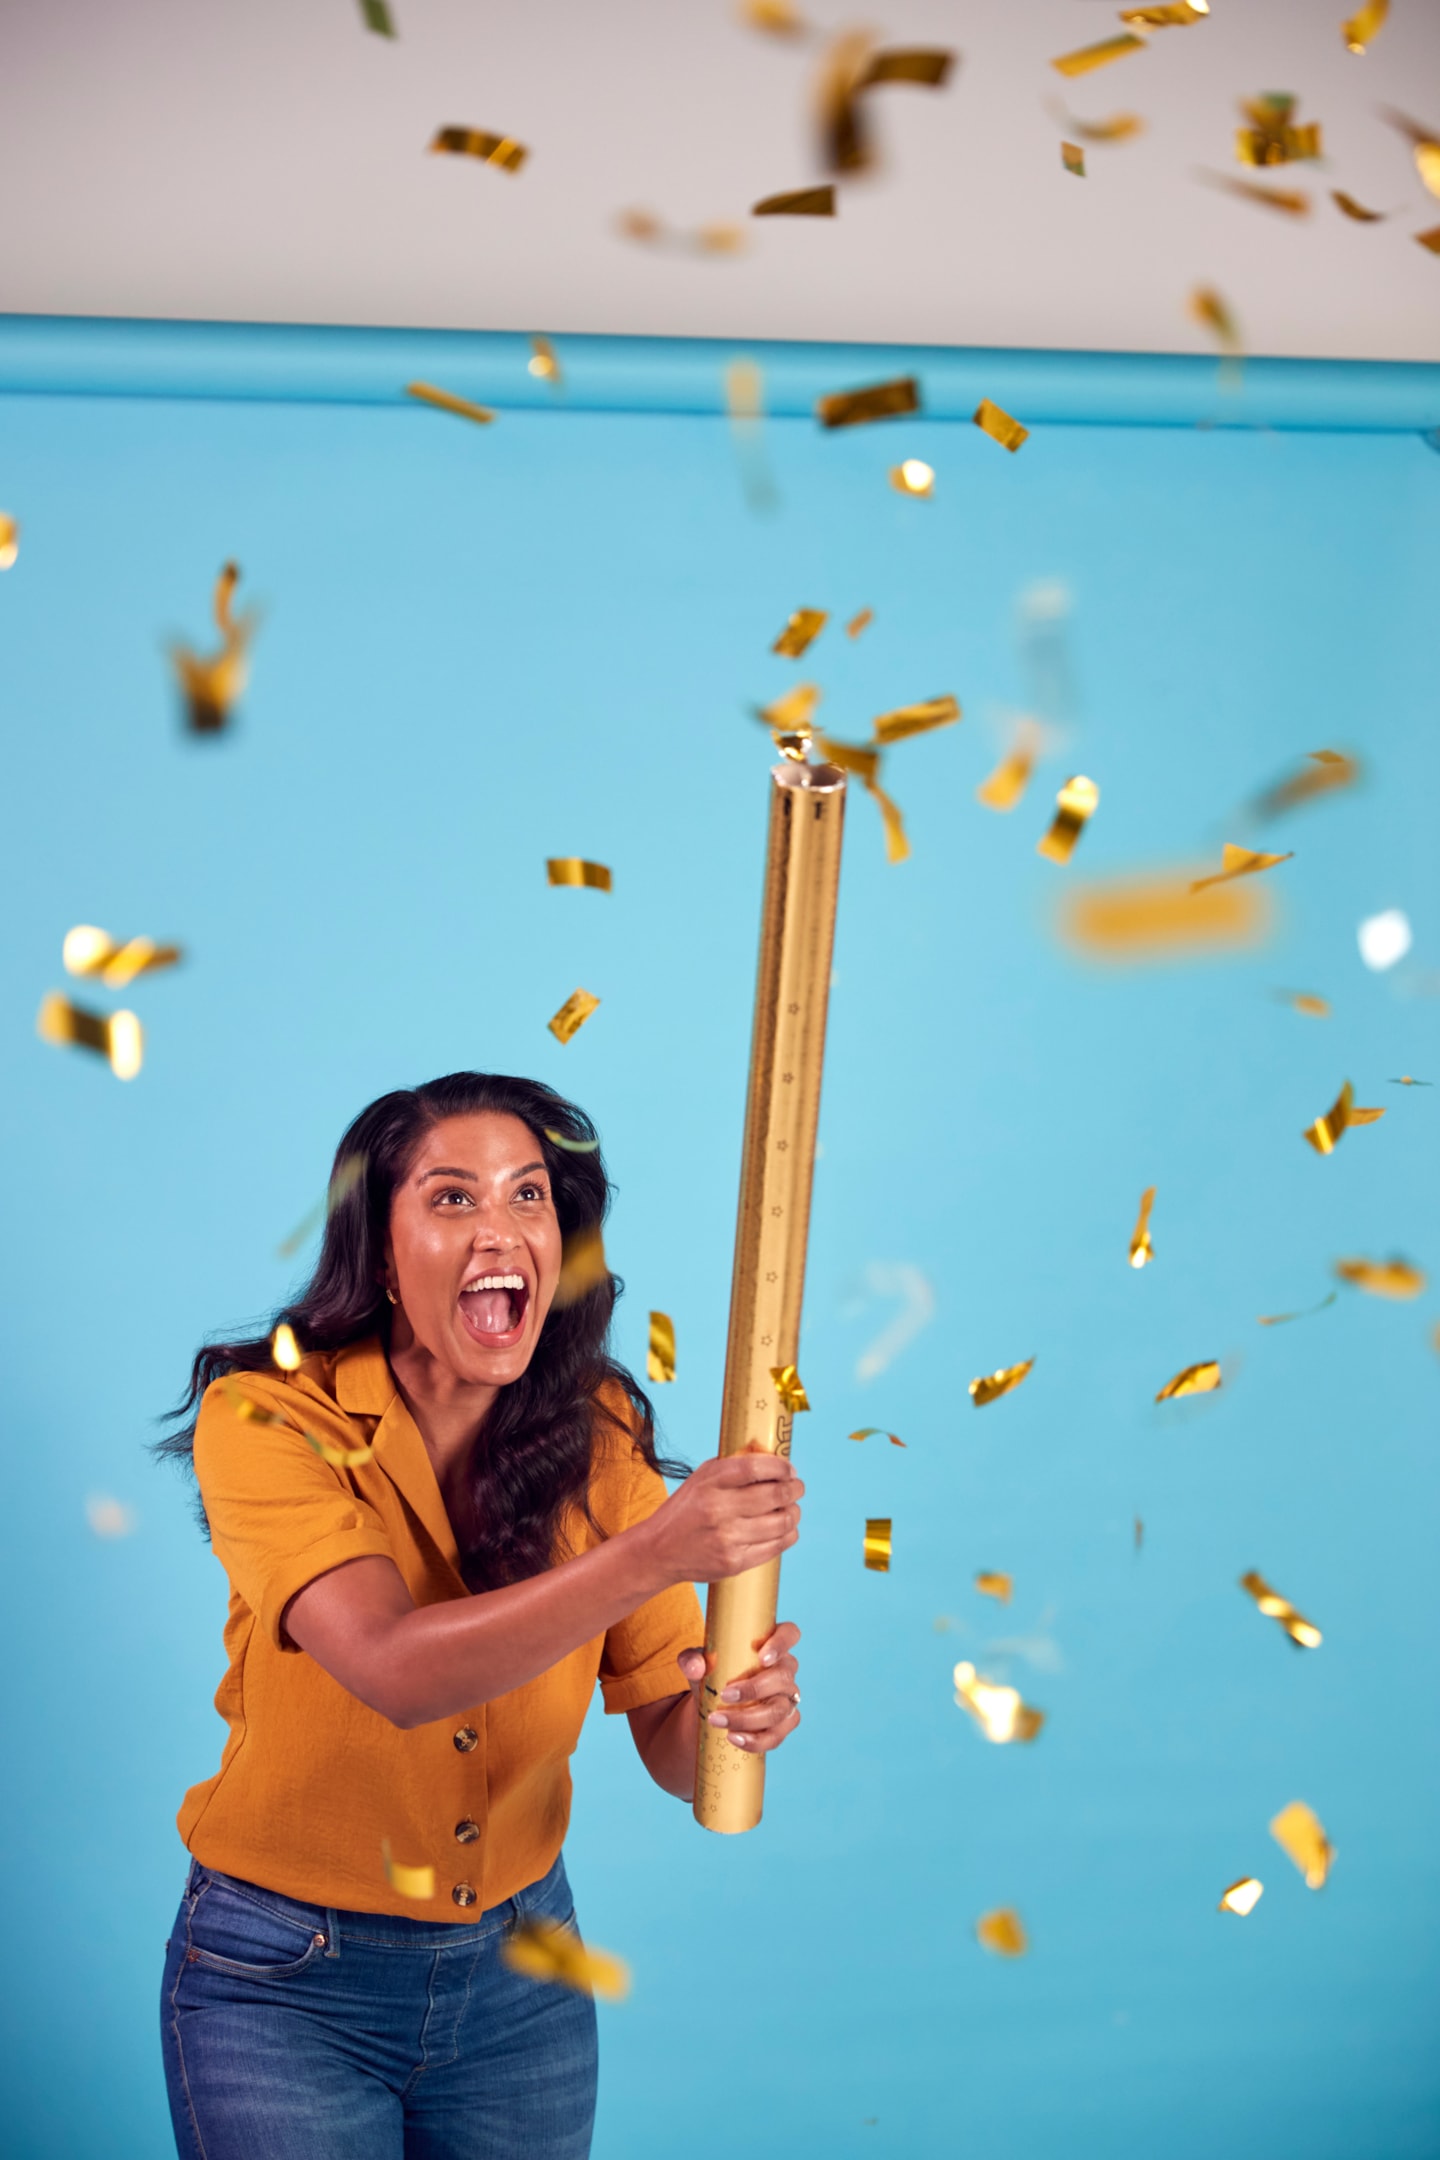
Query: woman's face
473	1254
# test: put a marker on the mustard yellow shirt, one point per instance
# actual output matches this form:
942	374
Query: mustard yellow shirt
311	1780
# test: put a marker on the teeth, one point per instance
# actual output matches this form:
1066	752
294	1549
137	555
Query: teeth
494	1282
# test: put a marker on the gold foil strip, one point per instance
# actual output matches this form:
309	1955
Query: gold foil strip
1120	127
1305	1001
1430	239
800	632
1142	1252
490	149
998	1711
377	17
862	759
1365	25
859	622
790	1388
1424	143
872	1432
211	685
118	1037
571	1147
924	64
285	1349
912	476
1322	773
989	1387
1075	805
994	421
541	1950
1200	1379
574	870
1175	16
1324	1135
1301	1631
1290	202
1356	210
1382	1278
1409	1080
1002	1932
1270	139
339	1458
1242	1897
660	1353
990	1582
1280	1319
88	951
1130	921
9	540
544	363
572	1015
897	843
582	1266
446	401
778	18
407	1882
841	125
877	401
878	1543
1072	157
1003	788
1087	57
1240	862
1211	310
799	202
1299	1833
745	405
907	720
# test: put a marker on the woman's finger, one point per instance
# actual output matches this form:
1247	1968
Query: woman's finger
760	1743
784	1639
777	1679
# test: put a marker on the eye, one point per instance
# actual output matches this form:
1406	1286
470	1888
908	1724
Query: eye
531	1192
454	1193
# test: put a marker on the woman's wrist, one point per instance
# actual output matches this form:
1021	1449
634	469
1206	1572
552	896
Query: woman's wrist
647	1558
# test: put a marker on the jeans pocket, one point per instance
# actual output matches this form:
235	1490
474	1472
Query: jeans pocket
232	1933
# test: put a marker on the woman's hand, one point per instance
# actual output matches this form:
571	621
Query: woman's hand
760	1712
734	1512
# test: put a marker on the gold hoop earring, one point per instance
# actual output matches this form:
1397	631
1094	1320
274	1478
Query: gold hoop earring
391	1295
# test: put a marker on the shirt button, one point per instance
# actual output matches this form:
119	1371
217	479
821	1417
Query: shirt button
466	1832
465	1739
464	1893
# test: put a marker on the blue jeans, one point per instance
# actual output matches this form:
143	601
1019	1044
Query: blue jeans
296	2032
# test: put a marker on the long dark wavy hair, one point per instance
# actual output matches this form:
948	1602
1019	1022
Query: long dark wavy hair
531	1461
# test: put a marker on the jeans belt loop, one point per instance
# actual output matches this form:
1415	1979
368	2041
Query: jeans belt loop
332	1932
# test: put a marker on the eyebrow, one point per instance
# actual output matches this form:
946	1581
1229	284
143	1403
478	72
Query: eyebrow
449	1170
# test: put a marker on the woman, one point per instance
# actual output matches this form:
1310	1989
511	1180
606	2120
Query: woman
440	1529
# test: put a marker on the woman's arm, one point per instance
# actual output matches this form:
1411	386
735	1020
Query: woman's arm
414	1663
761	1712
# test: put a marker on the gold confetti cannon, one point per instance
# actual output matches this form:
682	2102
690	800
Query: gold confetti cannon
787	1052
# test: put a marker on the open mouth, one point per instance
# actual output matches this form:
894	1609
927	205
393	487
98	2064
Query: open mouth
494	1306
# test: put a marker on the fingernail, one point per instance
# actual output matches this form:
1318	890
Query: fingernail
717	1717
767	1657
738	1740
731	1694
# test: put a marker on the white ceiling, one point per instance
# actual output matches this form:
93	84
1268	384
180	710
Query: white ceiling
266	160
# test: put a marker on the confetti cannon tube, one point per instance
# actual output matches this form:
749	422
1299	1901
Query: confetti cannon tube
787	1052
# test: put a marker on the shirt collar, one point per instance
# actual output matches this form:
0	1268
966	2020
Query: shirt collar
365	1387
364	1382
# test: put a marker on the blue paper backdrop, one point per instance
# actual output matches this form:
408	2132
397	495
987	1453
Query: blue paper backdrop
480	648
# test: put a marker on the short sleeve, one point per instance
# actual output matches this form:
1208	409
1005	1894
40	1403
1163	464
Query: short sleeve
279	1515
637	1665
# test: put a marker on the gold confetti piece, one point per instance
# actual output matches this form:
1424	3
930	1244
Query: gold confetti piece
377	17
800	632
1200	1379
790	716
989	1387
1305	1001
897	844
1210	310
1139	1533
777	17
501	150
878	1543
1121	127
745	405
720	240
345	1179
1146	919
1072	157
913	477
1142	1252
927	65
799	202
1425	144
860	622
1298	1832
1382	1278
840	119
907	720
1002	1932
1301	1631
1270	139
571	1147
88	951
211	686
411	1882
1173	17
1353	209
1004	787
1409	1080
284	1348
1364	1117
1240	862
1279	1319
660	1355
1290	202
1430	239
1325	1133
995	422
541	1950
109	1518
339	1458
543	362
9	541
572	1015
859	758
878	401
1365	25
871	1432
990	1583
574	870
1075	805
790	1388
117	1036
1242	1897
1087	57
1321	774
998	1711
446	401
582	1265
